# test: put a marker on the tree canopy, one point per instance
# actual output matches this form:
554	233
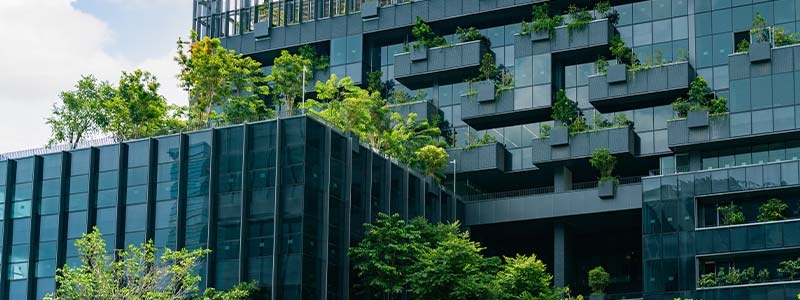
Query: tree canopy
439	261
137	274
212	74
79	115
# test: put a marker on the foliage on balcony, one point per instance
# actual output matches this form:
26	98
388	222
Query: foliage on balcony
700	97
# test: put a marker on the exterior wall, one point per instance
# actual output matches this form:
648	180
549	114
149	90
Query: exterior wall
278	202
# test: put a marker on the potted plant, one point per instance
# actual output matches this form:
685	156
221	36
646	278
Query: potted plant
731	214
543	26
760	42
699	105
598	281
424	38
565	113
772	210
604	162
619	72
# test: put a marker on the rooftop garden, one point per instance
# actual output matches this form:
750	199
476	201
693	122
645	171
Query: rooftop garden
227	88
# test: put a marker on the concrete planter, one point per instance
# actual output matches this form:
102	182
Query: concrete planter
261	30
491	157
369	10
485	91
621	142
425	110
419	53
596	34
616	73
606	189
559	136
540	36
697	119
760	52
619	90
597	297
423	67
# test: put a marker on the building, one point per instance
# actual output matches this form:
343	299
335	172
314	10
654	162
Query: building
237	190
282	197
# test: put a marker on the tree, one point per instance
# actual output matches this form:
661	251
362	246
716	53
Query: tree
384	258
245	109
522	277
80	114
212	74
453	269
136	109
287	77
136	273
432	159
598	280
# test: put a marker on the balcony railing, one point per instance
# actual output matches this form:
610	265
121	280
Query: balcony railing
544	190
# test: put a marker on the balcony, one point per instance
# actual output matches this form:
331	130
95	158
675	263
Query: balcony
748	237
490	159
541	203
578	148
422	67
425	110
730	130
659	85
772	290
502	110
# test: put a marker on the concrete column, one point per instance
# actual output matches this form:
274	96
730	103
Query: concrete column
562	179
562	260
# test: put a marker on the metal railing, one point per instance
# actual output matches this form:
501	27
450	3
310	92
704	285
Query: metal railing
544	190
135	136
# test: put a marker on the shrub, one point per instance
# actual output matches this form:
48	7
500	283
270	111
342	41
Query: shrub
544	130
708	280
543	21
604	162
731	214
471	34
762	276
743	46
598	280
601	64
425	36
699	97
790	268
564	109
432	159
759	29
772	210
579	18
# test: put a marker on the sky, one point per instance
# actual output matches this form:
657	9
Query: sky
49	44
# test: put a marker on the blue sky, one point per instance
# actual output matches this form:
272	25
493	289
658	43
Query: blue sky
57	41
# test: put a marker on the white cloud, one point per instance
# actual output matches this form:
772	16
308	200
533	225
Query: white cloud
50	44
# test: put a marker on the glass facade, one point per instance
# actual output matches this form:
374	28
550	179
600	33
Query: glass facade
216	189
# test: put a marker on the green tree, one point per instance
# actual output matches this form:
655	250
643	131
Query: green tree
287	77
522	277
384	258
245	109
80	114
212	74
137	109
432	159
136	273
598	280
454	269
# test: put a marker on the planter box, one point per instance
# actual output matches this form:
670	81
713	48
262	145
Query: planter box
617	74
419	53
261	30
421	67
621	142
659	85
583	45
606	189
369	9
559	136
501	112
760	52
485	91
697	119
539	36
490	157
